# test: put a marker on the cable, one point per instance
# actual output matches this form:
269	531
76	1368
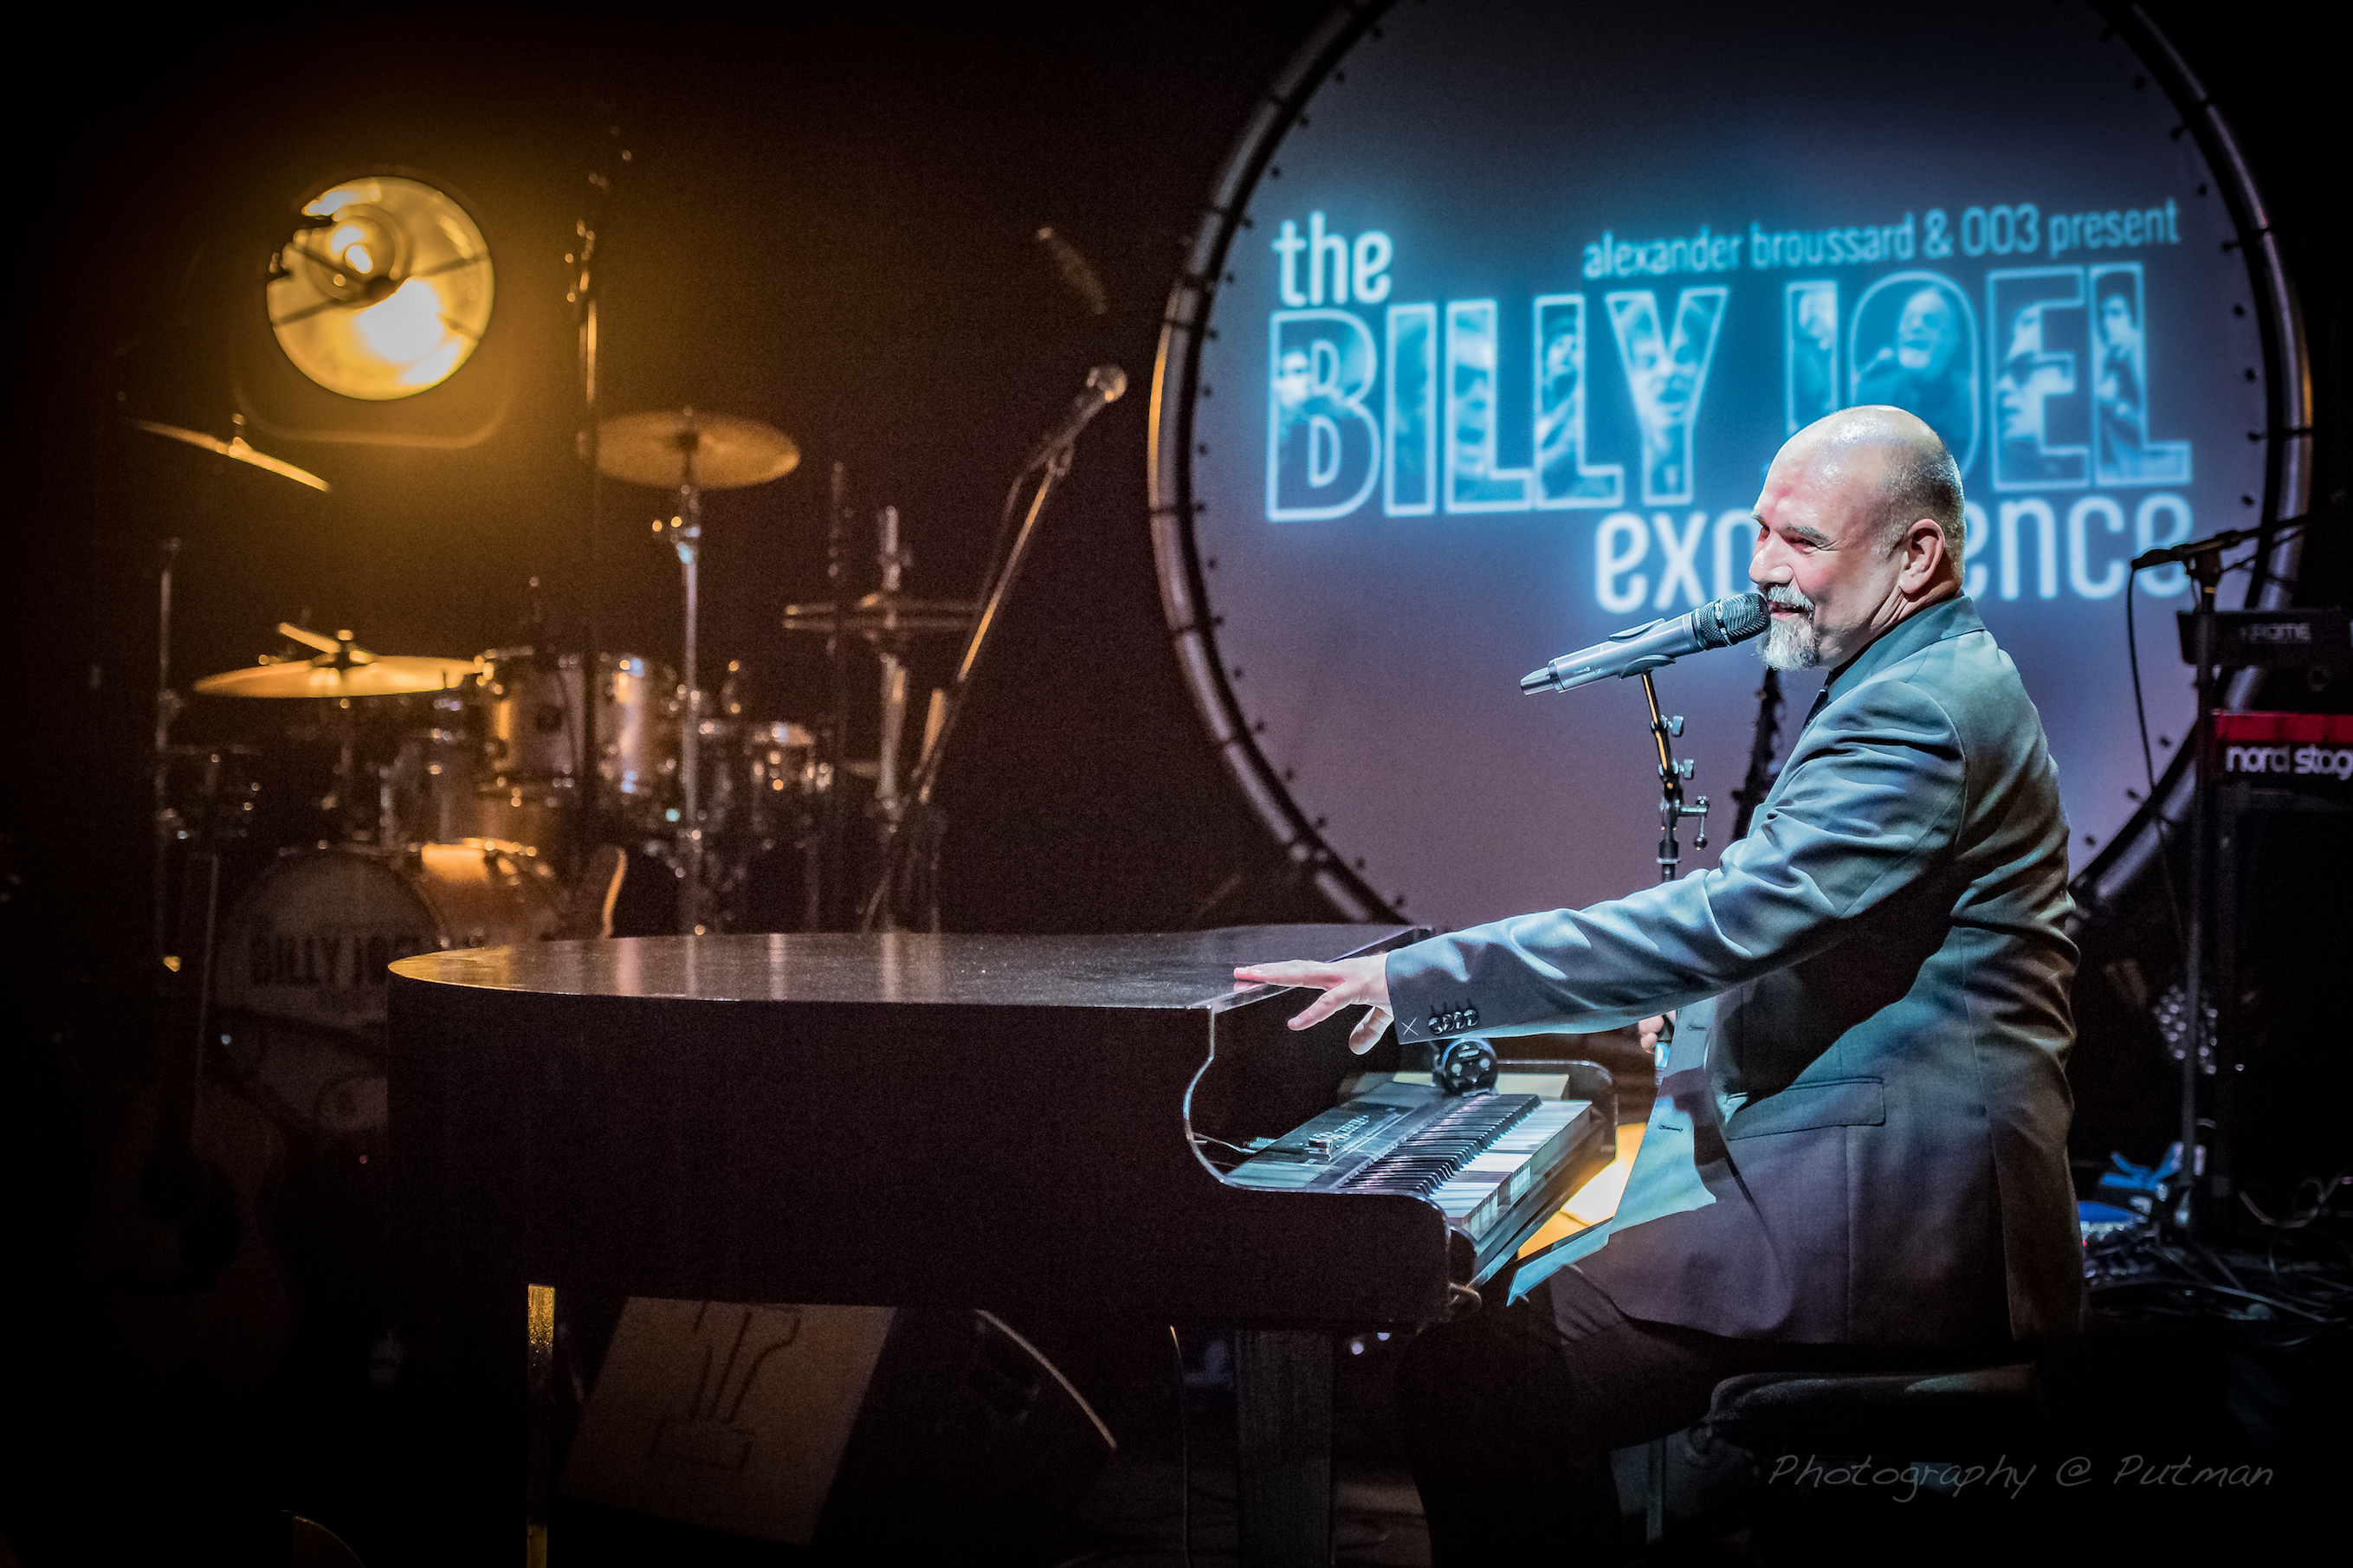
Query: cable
2299	1216
1200	1137
1183	1453
2149	771
2199	1285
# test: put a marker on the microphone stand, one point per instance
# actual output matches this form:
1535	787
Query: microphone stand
1672	774
2203	561
905	835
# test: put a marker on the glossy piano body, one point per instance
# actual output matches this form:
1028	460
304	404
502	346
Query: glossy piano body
956	1121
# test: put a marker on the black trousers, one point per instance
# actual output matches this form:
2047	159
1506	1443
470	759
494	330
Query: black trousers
1510	1415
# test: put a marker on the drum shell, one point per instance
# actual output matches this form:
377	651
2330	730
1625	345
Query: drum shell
762	780
531	730
526	783
299	975
637	739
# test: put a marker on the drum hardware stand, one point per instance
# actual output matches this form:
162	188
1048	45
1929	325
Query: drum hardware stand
889	806
832	857
1672	774
583	298
893	561
685	529
167	822
176	1184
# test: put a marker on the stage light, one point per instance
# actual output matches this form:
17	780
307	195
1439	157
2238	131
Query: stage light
385	291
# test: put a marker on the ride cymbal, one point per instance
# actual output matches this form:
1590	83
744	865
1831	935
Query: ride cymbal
710	451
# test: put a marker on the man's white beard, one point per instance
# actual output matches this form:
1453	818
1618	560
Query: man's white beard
1789	642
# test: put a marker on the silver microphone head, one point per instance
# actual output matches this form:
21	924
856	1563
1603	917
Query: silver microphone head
1728	621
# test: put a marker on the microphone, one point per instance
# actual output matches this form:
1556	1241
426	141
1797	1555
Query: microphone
2213	544
1105	384
1645	648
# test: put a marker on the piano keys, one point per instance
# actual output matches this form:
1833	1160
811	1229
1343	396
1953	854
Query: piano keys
909	1120
1483	1159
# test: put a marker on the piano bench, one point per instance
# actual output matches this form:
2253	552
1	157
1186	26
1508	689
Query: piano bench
1807	1430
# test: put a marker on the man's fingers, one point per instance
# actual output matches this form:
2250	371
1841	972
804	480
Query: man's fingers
1353	983
1289	971
1322	1007
1368	1030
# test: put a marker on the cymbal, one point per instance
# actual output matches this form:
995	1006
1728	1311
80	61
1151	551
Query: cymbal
712	451
884	615
235	448
367	675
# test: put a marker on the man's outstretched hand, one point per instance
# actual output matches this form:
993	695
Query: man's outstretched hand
1345	981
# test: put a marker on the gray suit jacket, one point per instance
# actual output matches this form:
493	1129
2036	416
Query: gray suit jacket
1861	1133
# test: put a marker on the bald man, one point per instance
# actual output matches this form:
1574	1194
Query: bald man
1857	1153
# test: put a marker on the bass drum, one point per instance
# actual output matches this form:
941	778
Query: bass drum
299	975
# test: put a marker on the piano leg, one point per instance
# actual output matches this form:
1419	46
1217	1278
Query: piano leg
539	1480
1282	1398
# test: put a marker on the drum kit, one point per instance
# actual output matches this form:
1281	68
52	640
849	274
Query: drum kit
505	797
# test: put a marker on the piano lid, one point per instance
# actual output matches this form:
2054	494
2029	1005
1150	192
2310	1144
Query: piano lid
1157	969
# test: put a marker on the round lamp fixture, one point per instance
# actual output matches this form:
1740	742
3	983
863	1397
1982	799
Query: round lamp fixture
384	291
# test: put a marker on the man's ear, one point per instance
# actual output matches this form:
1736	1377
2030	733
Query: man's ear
1925	557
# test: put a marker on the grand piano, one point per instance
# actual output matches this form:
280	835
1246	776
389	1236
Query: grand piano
945	1121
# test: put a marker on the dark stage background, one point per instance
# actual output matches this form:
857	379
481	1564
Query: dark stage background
827	223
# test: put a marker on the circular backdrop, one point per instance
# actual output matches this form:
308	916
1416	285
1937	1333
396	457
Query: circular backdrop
1505	309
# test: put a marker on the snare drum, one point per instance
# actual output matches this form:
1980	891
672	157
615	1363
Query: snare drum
299	978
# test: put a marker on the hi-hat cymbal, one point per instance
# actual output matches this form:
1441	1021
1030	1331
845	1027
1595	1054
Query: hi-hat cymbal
710	451
352	673
235	448
884	615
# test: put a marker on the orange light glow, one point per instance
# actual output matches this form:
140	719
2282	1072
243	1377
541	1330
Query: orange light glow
390	297
405	327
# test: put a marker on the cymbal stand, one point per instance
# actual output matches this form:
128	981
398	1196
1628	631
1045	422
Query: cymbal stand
686	538
1672	774
167	822
893	561
586	283
915	804
343	805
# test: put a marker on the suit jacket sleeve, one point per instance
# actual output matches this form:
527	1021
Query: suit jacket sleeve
1871	799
